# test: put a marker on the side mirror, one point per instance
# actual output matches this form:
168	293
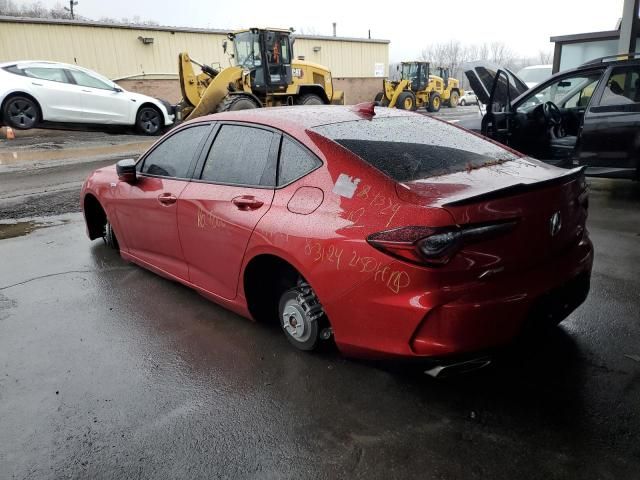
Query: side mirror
117	90
224	46
126	170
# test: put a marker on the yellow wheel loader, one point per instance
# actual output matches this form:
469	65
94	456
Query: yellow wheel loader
264	75
418	88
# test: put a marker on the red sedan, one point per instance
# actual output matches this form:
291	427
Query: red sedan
397	234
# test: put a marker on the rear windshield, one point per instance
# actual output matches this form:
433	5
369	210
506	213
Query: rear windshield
411	148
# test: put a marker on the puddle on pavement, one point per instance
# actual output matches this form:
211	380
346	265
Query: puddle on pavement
17	156
20	229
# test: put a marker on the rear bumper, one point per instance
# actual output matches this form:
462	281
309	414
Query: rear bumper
481	317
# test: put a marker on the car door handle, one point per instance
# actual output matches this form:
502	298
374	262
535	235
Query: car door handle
247	202
36	84
87	91
167	199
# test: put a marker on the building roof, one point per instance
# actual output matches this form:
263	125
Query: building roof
159	28
586	37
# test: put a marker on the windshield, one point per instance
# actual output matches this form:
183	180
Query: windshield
414	148
247	48
409	71
566	92
534	74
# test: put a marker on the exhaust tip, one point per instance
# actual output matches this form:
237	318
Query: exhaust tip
458	368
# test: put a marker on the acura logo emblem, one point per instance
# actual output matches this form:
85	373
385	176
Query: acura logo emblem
555	224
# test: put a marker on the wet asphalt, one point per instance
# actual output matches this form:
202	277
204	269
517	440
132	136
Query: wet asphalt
109	371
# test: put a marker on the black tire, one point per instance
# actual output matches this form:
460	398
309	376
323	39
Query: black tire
232	103
149	120
381	99
453	99
406	101
301	317
310	99
462	103
109	237
21	112
435	102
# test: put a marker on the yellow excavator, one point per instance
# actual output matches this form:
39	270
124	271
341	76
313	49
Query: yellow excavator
264	75
417	88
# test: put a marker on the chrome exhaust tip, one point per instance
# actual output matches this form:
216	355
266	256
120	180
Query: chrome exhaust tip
457	368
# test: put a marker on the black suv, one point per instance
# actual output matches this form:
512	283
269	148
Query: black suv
588	116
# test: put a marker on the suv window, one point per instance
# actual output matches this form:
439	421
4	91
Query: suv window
623	87
43	73
567	90
85	80
173	157
240	155
295	162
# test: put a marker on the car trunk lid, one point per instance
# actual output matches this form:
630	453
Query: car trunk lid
546	206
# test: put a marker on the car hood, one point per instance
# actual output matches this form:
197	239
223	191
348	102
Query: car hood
482	75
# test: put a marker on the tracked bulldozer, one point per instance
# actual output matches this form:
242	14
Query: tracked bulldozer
264	74
418	87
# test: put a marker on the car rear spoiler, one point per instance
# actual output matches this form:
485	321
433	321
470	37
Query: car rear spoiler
518	188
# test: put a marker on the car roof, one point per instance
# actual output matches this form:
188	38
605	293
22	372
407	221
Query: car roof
299	118
43	63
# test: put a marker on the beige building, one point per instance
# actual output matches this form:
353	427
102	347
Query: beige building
145	59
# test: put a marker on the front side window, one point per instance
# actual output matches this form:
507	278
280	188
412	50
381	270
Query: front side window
173	157
277	48
240	156
85	80
43	73
567	90
295	162
623	87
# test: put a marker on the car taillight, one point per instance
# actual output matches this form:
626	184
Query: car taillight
433	246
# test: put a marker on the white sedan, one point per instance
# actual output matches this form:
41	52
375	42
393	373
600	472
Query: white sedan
35	91
468	98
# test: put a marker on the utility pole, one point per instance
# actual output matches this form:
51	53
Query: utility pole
72	3
629	27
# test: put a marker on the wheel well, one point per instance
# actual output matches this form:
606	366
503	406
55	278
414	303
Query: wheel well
316	90
266	278
149	104
94	216
21	94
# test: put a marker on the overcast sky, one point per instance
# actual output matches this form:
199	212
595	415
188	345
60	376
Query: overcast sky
411	26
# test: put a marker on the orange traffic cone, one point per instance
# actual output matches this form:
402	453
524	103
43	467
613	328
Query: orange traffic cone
11	135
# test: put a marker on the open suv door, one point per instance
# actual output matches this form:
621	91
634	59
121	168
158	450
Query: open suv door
587	116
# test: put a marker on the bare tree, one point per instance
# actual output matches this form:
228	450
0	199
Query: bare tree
37	10
545	57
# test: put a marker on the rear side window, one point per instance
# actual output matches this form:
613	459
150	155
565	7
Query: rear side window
623	87
412	148
51	74
173	157
240	156
295	162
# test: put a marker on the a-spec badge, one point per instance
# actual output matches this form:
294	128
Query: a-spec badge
555	224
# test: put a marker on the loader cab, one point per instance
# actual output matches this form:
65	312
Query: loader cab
266	54
417	73
443	73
